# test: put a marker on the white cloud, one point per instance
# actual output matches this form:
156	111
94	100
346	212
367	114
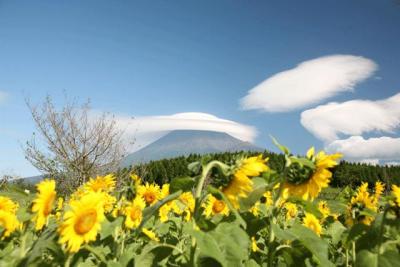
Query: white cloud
356	148
309	83
354	117
149	128
393	163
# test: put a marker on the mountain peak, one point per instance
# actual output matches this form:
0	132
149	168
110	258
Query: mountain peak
185	142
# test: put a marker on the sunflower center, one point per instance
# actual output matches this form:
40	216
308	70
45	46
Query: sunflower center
48	205
298	174
85	222
149	197
218	206
135	213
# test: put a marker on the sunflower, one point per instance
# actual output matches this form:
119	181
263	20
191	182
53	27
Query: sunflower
101	183
150	234
379	188
291	210
255	210
214	206
310	221
8	222
109	202
165	209
307	182
396	194
82	221
324	209
59	207
43	204
7	205
241	184
185	205
361	201
133	212
136	179
268	198
254	246
151	193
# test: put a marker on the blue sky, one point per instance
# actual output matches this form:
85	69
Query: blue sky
158	58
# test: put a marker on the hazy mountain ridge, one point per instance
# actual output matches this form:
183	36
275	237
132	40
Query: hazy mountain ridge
185	142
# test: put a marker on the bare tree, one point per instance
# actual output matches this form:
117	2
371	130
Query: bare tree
76	143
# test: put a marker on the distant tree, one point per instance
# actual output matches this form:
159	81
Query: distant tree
75	143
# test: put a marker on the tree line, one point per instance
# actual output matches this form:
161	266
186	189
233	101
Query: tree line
345	174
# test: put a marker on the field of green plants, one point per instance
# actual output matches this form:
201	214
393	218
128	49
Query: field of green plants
238	213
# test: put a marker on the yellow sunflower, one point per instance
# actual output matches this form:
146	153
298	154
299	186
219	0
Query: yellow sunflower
82	221
241	184
136	179
150	234
396	194
167	207
109	202
214	206
185	205
7	205
324	209
151	193
313	223
307	183
379	188
362	200
291	210
59	207
133	212
8	222
43	203
101	183
268	198
255	210
254	246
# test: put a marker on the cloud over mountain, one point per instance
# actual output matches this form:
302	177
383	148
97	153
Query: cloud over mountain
308	83
149	128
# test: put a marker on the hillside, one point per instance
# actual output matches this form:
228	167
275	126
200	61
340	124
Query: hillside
185	142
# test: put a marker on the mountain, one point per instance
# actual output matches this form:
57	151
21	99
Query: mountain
185	142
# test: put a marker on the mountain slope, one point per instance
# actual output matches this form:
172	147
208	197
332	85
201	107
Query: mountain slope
185	142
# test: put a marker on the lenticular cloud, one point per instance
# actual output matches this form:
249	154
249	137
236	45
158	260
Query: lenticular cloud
309	83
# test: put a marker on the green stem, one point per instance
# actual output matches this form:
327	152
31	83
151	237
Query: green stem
67	262
204	174
381	233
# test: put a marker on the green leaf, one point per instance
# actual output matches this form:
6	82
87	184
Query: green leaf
366	258
282	148
152	254
234	242
254	196
335	230
108	228
282	234
208	246
317	246
181	183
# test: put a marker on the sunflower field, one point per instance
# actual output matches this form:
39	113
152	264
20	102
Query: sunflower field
241	213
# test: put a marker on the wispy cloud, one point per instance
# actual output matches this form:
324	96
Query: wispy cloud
356	148
308	83
354	117
149	128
